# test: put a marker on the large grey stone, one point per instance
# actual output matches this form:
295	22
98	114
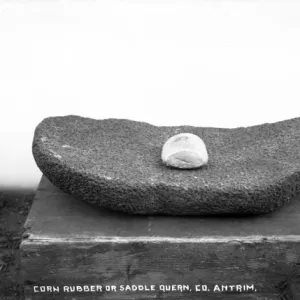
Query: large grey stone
116	164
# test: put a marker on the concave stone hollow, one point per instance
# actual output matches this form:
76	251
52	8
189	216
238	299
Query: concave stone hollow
116	164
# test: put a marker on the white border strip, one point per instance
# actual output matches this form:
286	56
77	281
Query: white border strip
42	239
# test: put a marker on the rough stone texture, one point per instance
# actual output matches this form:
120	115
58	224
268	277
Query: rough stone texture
116	164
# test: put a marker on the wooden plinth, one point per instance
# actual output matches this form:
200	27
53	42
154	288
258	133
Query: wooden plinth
70	245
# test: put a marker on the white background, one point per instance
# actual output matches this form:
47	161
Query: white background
203	63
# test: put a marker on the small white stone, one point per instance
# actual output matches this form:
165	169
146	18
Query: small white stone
184	151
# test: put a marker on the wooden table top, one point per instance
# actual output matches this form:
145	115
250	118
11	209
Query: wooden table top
56	216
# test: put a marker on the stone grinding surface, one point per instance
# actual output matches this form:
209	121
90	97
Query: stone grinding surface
116	164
